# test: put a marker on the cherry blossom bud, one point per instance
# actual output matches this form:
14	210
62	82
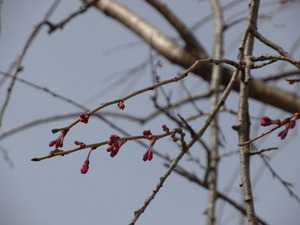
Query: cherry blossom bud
113	153
282	134
265	121
146	132
165	128
84	118
85	167
121	105
109	149
52	143
150	137
286	120
292	124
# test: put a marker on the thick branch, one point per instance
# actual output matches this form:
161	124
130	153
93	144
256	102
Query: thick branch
190	40
176	54
214	137
246	48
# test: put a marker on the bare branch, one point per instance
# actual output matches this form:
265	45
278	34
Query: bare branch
286	184
246	49
18	67
213	154
161	181
173	52
262	150
98	144
188	37
60	25
260	136
193	178
280	75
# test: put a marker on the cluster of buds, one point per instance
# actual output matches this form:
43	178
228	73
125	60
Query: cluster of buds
148	134
173	136
149	153
84	118
289	123
165	128
81	144
114	145
57	143
175	139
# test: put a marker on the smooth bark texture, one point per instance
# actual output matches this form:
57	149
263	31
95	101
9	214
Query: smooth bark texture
246	52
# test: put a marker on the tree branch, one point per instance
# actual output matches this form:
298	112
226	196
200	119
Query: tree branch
246	50
193	178
213	154
259	90
186	34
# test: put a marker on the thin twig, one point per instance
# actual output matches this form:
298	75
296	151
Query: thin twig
257	152
162	179
189	145
179	77
286	184
260	136
276	47
193	178
98	144
60	25
272	59
269	43
18	62
280	75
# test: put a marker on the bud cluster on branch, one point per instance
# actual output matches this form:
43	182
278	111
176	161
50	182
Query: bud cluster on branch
289	123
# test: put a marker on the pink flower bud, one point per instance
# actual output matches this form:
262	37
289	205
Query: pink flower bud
85	167
292	124
150	137
84	118
145	156
150	155
121	105
114	137
52	143
115	149
109	149
146	132
113	153
282	134
175	139
165	128
286	120
77	142
265	121
82	145
58	143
